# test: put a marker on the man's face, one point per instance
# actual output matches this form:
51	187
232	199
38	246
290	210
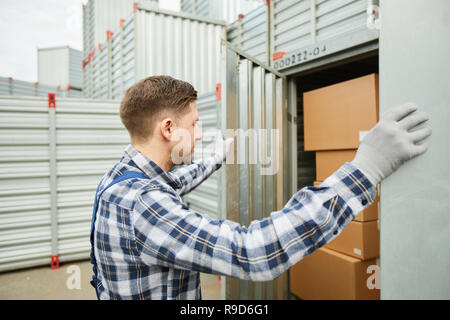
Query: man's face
188	131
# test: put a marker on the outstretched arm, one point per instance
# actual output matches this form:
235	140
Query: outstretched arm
170	234
195	173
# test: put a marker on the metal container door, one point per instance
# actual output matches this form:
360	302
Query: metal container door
414	201
255	180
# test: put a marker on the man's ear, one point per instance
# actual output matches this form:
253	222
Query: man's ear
167	127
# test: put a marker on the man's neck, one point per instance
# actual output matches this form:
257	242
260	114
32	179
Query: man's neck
155	153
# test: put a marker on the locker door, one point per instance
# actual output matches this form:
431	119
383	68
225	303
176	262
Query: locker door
415	200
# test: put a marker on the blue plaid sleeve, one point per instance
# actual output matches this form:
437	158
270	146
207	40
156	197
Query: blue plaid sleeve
169	234
195	173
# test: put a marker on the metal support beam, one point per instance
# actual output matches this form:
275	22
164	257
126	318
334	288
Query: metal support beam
53	182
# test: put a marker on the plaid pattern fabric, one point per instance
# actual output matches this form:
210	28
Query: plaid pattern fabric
149	245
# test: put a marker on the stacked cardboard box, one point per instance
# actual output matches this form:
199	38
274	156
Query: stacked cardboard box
335	120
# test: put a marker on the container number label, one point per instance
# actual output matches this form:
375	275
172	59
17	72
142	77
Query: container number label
300	57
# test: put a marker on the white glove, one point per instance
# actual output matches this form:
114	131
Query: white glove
222	146
391	142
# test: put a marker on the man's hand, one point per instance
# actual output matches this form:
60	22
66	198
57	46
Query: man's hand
221	145
391	142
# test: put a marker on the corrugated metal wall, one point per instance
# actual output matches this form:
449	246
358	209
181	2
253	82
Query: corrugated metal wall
298	27
196	7
102	15
153	42
90	139
123	59
25	220
50	165
184	48
227	10
297	23
255	98
88	28
251	34
205	198
75	69
19	88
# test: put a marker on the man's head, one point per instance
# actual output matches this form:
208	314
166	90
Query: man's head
161	111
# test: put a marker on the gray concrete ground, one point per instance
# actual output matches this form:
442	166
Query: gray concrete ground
44	283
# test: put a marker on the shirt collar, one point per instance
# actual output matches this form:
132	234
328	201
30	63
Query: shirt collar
150	168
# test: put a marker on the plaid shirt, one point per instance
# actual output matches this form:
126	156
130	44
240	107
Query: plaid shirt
149	245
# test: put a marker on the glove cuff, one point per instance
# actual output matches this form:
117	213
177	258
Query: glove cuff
370	163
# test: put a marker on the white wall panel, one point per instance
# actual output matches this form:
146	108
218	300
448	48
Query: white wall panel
89	140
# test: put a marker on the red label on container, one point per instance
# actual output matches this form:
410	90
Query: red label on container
278	55
219	91
54	262
51	100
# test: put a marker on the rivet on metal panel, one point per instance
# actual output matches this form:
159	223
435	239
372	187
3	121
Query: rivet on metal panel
54	262
218	91
51	100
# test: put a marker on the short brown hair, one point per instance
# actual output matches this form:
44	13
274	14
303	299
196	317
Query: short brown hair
149	98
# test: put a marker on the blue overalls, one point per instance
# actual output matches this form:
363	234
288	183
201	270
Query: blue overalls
125	176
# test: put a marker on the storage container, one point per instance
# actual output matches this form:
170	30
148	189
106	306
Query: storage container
60	66
153	42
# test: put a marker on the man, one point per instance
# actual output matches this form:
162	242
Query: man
147	244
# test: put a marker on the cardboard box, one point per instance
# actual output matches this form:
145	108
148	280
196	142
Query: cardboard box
328	274
369	214
335	116
327	162
359	239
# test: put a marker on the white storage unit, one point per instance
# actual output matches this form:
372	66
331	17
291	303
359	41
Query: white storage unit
60	66
296	30
227	10
205	198
306	30
5	86
102	15
12	87
154	42
250	34
51	162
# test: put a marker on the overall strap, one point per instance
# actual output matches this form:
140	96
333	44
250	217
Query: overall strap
125	176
